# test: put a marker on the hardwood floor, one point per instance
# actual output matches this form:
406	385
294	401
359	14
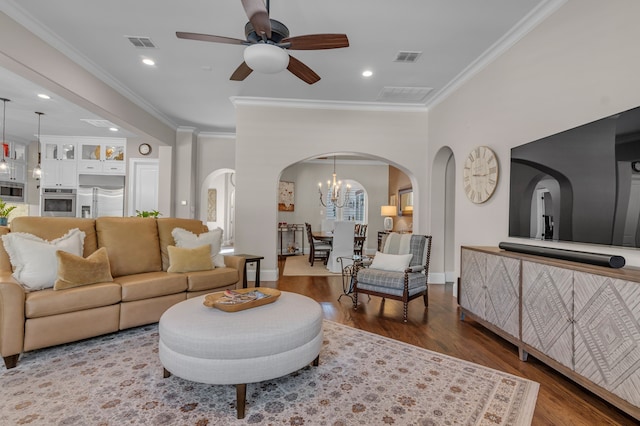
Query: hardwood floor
438	328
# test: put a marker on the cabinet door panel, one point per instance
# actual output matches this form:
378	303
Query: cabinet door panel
502	297
472	281
607	333
547	310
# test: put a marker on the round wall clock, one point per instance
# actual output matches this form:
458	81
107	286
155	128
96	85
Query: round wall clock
480	175
144	149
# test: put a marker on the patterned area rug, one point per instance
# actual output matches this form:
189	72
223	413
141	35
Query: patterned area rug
298	266
362	379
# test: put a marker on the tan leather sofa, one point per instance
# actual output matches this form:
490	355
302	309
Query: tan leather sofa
140	292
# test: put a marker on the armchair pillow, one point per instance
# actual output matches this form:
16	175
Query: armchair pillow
391	262
76	271
187	239
34	260
190	259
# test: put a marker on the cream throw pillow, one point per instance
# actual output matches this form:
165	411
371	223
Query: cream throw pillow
187	239
34	260
189	259
391	262
76	271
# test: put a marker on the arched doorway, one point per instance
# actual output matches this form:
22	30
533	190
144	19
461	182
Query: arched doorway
442	218
217	203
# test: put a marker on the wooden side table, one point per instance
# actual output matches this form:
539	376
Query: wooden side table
251	258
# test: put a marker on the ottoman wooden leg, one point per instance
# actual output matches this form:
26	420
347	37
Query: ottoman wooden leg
166	373
316	361
241	399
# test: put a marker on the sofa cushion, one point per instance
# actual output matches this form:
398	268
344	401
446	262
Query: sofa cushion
5	264
34	259
132	243
50	228
208	280
166	226
213	238
189	259
151	284
75	271
51	302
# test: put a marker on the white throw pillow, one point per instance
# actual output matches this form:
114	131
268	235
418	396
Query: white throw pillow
187	239
34	260
391	262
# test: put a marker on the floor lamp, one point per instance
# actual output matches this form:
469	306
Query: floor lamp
388	212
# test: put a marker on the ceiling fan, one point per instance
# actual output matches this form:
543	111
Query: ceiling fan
268	42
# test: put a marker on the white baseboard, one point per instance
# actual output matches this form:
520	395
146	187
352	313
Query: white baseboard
436	278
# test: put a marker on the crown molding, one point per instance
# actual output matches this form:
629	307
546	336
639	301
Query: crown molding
328	105
219	135
15	12
507	41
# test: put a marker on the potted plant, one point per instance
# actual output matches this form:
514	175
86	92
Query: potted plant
4	212
144	213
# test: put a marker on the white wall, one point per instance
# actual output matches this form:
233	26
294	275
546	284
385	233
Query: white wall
579	65
267	143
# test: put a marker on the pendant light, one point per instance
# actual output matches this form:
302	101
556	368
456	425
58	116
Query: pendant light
4	167
37	170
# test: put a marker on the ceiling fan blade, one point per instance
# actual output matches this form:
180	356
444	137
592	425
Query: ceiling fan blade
241	72
258	16
302	71
211	38
317	41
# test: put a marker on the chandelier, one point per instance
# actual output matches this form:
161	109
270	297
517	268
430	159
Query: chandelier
334	189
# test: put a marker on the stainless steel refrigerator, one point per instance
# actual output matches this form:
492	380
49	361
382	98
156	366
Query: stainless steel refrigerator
100	195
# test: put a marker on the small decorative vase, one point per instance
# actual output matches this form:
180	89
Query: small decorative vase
3	221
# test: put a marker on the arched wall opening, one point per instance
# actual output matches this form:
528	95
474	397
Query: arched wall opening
217	203
442	208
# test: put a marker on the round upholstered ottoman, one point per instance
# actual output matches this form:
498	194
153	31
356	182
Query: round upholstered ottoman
207	345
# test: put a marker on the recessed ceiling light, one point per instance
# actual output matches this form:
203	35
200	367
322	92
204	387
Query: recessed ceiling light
367	73
113	129
148	61
43	96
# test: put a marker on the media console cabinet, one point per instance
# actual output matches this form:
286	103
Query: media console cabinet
582	320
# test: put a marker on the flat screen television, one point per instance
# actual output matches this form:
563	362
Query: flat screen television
580	185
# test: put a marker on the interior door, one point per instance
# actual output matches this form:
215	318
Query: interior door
143	186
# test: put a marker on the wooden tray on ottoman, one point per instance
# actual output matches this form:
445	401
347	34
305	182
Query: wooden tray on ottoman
212	300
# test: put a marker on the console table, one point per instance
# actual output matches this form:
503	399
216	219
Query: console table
289	238
582	320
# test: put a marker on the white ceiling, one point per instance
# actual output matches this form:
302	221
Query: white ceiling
190	86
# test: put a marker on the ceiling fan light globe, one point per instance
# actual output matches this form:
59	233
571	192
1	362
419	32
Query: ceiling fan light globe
266	58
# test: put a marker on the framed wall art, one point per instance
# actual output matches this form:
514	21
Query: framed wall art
286	197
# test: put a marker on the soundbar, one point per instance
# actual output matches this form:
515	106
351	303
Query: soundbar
607	260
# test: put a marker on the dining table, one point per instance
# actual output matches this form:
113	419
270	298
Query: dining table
327	236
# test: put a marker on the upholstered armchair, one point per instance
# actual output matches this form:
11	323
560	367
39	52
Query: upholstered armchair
399	272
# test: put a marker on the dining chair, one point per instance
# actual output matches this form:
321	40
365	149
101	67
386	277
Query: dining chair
360	237
400	272
318	250
342	245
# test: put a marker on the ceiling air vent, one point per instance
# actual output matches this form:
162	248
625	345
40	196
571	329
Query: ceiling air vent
406	56
98	122
141	42
409	95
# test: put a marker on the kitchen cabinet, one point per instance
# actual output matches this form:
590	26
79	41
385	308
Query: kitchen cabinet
103	156
582	320
58	162
15	155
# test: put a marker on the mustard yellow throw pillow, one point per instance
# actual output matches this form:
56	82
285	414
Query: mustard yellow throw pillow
76	271
189	259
